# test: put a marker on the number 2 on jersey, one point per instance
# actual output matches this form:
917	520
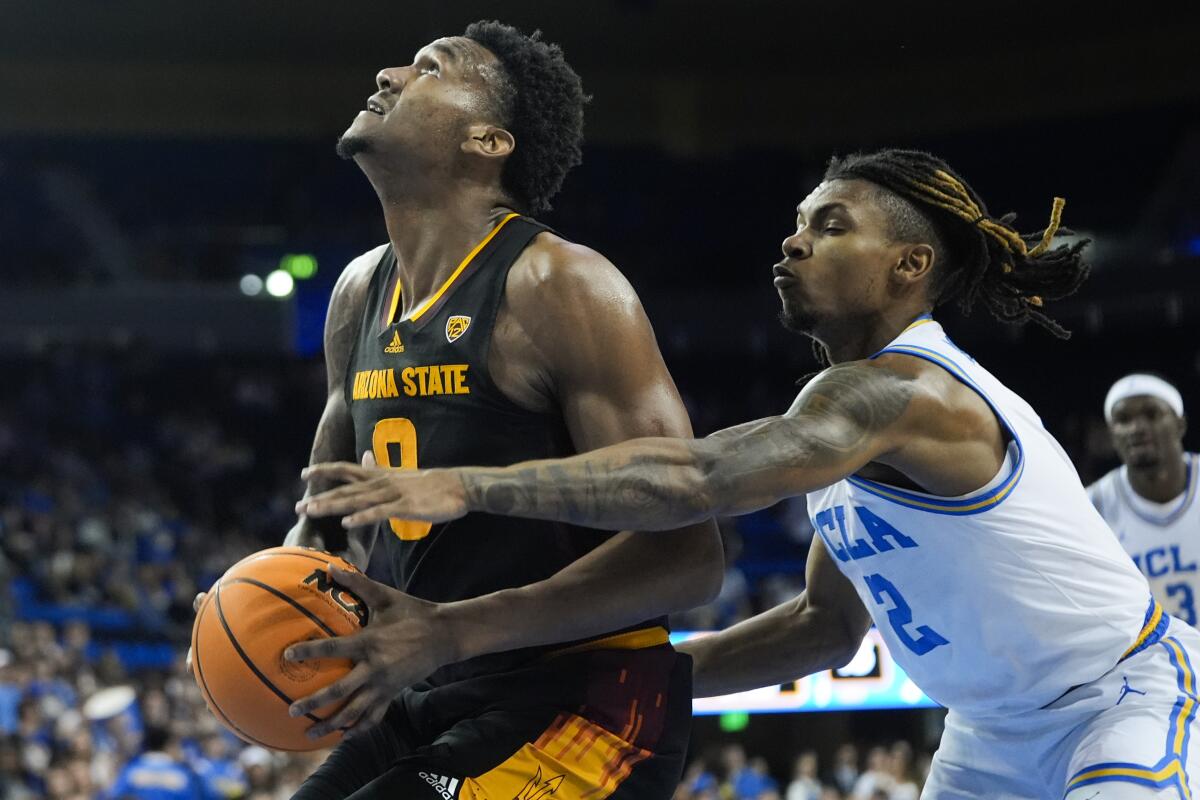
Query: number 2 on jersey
900	615
398	436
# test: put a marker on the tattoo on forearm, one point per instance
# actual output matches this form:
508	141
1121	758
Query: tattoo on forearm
664	483
604	491
834	417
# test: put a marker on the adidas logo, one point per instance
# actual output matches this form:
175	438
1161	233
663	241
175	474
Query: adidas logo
395	346
447	788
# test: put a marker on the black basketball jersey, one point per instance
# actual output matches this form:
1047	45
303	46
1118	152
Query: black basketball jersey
421	395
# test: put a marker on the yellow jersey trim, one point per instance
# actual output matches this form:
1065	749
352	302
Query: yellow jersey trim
923	505
630	640
416	315
1147	629
918	322
974	503
1171	768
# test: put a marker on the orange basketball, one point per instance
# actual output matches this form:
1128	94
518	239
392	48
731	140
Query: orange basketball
263	604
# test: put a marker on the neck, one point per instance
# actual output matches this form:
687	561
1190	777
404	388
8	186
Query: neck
860	337
433	220
1160	483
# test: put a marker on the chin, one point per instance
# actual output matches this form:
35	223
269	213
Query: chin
351	144
1142	459
796	319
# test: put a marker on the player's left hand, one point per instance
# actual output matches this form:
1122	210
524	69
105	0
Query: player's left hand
401	644
372	494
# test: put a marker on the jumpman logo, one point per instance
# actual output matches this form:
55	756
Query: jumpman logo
1127	689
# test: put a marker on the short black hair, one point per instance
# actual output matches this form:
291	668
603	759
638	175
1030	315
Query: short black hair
541	103
983	257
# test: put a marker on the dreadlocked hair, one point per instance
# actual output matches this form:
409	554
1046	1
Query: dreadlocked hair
984	258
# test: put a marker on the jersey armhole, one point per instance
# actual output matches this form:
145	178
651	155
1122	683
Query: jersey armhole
988	496
368	322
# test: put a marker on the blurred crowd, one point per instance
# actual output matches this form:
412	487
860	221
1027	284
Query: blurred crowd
892	772
73	728
111	518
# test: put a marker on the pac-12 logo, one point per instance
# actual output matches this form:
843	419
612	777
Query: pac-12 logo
339	594
456	326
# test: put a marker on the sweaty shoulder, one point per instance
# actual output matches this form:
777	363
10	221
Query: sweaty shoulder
561	281
571	326
351	286
346	305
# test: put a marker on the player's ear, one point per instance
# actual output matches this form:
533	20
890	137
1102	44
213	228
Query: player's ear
488	141
1182	426
915	263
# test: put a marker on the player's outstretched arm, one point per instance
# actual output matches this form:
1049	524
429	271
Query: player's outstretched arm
820	629
848	416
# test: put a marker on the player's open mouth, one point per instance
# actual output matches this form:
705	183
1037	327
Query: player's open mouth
375	107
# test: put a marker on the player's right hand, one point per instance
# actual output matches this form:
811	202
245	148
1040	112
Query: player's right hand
195	607
371	494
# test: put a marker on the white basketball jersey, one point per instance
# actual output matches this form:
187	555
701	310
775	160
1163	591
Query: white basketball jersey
1162	538
997	601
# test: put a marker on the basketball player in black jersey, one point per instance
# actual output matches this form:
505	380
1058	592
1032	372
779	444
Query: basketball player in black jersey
478	336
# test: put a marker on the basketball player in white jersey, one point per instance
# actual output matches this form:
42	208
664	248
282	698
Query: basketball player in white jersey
1149	501
947	514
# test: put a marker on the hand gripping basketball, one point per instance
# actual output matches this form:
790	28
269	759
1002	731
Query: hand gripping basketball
260	606
402	643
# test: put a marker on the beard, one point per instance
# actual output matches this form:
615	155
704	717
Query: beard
796	320
348	146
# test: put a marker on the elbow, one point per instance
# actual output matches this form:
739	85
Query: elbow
844	655
845	647
708	586
838	638
710	571
697	561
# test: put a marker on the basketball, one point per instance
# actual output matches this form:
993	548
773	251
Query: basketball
260	606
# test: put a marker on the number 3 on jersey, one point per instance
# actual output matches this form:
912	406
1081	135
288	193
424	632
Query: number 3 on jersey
1187	601
398	437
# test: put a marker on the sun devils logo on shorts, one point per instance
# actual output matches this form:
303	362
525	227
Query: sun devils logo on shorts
456	326
536	790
